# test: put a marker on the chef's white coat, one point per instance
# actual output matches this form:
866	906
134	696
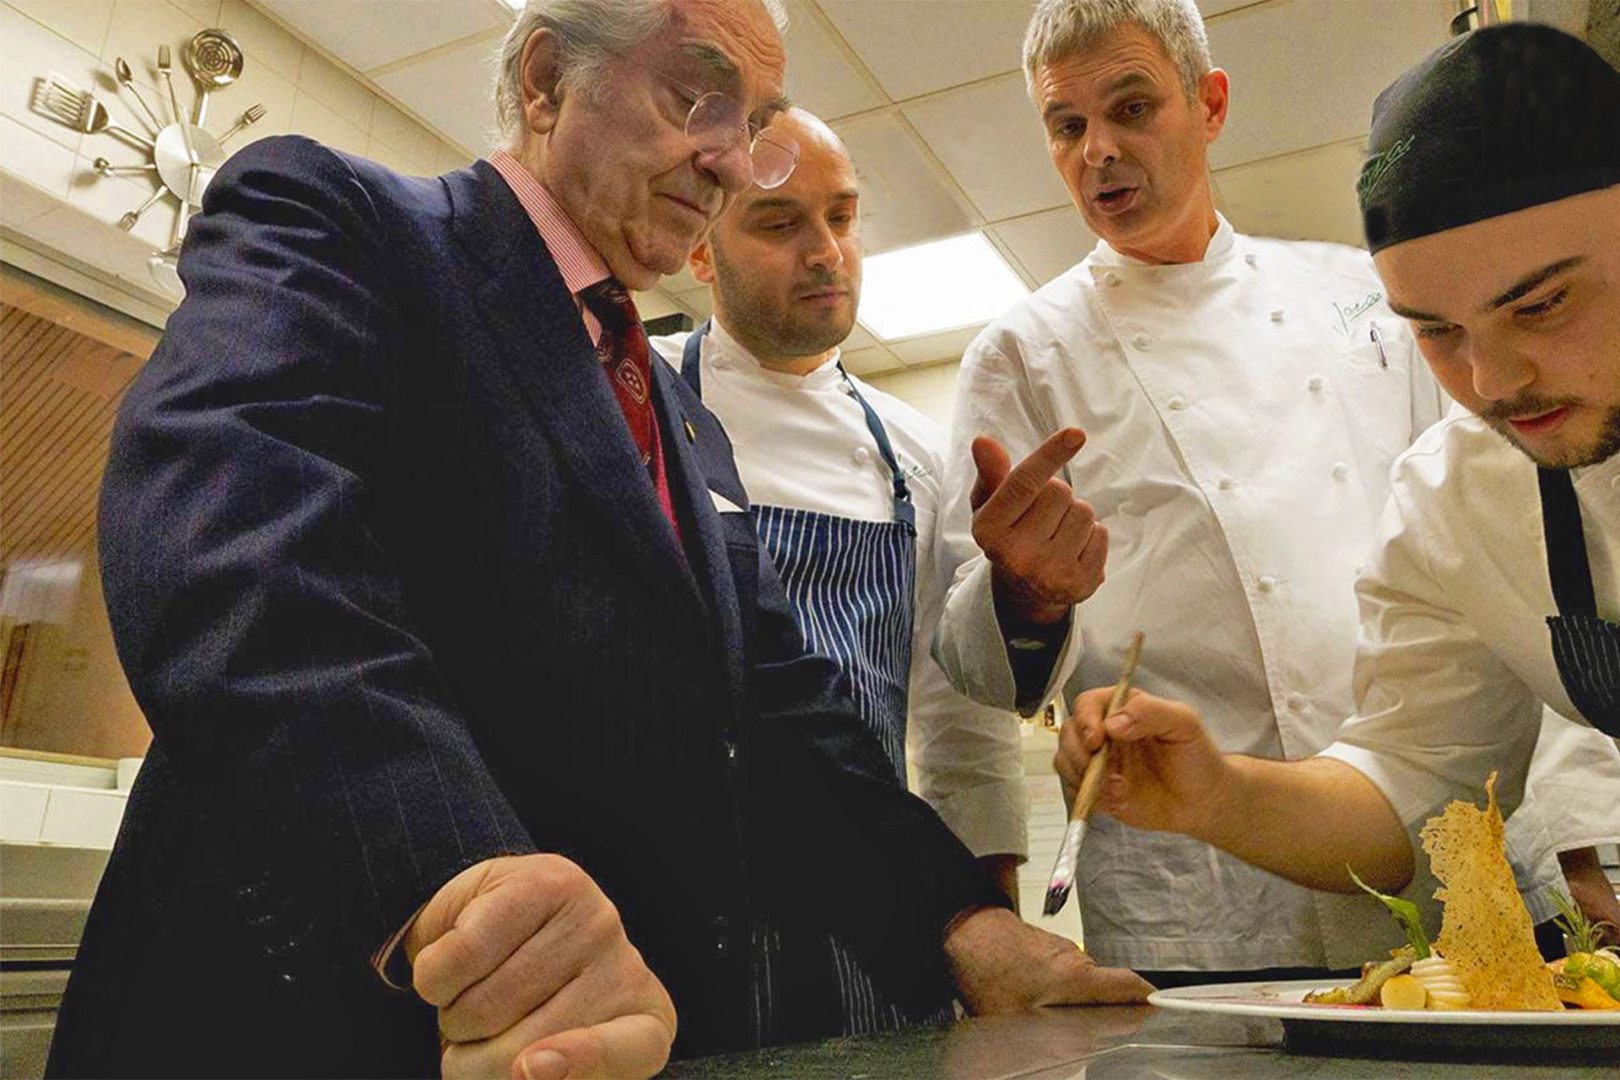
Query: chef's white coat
1242	416
802	442
1455	663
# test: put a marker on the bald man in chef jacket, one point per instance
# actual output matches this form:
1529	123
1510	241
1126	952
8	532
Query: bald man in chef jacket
845	483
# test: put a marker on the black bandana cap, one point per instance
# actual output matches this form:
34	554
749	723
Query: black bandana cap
1497	120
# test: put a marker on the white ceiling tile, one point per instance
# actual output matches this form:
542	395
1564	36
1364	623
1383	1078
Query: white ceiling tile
1046	244
263	40
367	34
450	90
933	348
1305	196
870	361
925	45
820	75
1305	72
989	137
906	197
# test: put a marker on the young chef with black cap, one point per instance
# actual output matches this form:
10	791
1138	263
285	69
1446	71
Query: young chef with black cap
1492	205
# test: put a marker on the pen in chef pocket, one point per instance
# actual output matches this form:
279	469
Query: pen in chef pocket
1057	891
1378	340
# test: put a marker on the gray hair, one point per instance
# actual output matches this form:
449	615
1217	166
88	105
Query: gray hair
591	34
1061	28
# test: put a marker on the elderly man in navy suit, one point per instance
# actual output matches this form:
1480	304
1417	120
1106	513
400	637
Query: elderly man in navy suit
484	739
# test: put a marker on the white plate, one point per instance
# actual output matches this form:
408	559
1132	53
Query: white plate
1577	1035
1285	1001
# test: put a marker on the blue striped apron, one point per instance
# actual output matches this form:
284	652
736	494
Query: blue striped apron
1586	648
851	585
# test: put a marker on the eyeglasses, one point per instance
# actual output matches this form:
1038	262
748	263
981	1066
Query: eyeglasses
716	123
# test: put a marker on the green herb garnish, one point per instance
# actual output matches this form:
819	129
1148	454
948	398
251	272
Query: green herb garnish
1405	912
1581	934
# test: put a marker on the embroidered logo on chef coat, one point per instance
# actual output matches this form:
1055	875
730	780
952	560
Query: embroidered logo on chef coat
912	469
1351	310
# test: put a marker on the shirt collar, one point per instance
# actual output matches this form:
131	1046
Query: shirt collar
1221	245
728	353
576	259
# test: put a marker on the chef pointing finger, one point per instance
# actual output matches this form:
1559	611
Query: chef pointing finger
1043	542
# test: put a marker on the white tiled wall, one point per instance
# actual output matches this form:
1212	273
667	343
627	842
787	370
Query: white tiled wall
301	90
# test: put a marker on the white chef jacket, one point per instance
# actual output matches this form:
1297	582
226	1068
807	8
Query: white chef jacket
1242	416
802	442
1455	662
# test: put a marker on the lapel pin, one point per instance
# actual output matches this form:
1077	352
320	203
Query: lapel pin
691	432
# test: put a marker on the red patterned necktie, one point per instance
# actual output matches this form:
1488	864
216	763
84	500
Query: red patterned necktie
625	356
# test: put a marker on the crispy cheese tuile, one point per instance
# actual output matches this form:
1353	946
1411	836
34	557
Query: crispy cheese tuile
1486	931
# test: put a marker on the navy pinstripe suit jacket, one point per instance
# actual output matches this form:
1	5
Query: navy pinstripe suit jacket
396	597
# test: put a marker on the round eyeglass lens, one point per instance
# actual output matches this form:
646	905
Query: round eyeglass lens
716	123
774	156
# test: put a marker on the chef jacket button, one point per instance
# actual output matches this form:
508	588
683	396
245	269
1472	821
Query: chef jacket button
1315	384
1141	341
1111	278
1277	316
1340	470
691	432
1267	583
862	455
1177	403
1226	483
1250	259
731	751
1296	702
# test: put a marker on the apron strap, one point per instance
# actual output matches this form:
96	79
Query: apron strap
691	357
904	510
1567	564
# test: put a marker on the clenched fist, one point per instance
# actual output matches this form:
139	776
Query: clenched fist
533	976
1045	547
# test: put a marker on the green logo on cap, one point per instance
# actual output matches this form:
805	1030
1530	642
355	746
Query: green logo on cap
1378	167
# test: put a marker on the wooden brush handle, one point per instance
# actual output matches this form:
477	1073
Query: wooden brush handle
1097	768
1090	785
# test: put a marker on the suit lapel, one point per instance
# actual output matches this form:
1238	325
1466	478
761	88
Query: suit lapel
542	338
707	548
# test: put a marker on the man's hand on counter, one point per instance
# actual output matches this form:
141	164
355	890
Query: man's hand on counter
533	977
1004	965
1045	548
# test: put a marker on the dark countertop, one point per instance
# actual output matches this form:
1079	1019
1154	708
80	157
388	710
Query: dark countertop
1113	1043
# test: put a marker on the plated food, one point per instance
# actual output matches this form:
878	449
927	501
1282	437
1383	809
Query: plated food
1486	956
